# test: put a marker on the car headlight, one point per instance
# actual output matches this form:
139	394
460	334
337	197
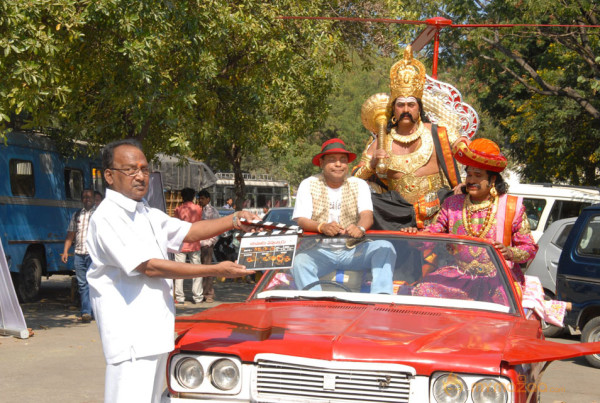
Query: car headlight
489	391
225	374
189	373
450	388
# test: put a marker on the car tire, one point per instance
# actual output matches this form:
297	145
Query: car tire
591	333
548	329
30	278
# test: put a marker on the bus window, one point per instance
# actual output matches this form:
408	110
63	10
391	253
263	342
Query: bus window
73	183
22	182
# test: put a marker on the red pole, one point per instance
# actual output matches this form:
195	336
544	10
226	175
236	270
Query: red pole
436	49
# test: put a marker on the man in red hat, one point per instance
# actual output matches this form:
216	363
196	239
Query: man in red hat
331	203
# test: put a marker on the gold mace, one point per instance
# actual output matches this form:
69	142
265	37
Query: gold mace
374	118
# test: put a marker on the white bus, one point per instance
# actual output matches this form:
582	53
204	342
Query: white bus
262	190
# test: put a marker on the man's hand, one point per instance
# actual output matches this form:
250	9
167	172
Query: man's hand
332	229
458	189
506	252
64	257
410	230
378	154
231	270
247	215
354	231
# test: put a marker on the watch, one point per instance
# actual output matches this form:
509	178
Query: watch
364	231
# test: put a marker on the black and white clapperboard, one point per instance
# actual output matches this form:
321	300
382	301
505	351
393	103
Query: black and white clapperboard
274	247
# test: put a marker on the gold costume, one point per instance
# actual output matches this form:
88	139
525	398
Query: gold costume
407	79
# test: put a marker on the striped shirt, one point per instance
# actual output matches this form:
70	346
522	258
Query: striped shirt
79	225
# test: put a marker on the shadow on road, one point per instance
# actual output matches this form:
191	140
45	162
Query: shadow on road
56	308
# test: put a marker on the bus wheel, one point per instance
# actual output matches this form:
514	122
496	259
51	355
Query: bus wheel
30	278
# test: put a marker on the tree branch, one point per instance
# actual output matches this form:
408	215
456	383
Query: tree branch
545	87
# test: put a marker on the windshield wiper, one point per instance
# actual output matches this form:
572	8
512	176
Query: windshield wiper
316	298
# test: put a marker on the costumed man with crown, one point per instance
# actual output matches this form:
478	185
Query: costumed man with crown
413	158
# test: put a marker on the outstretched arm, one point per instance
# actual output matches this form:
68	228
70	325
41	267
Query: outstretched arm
205	229
171	269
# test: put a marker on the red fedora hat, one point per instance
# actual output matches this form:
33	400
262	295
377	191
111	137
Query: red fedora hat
333	146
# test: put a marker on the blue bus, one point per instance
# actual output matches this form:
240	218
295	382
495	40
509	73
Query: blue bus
39	191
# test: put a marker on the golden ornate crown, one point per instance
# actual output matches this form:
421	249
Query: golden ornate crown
407	77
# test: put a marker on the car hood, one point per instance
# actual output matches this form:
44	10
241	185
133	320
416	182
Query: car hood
427	339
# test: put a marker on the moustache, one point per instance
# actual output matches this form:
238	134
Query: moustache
472	185
406	115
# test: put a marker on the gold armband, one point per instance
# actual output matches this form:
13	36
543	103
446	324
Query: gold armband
364	172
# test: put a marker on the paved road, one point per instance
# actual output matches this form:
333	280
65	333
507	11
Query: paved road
63	361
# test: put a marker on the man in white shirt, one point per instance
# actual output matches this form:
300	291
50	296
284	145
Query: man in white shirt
131	275
334	204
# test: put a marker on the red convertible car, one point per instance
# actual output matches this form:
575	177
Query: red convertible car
395	317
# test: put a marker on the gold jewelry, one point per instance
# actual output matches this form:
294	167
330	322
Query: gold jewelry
319	228
408	138
235	220
394	120
409	163
364	171
493	191
366	157
407	77
467	216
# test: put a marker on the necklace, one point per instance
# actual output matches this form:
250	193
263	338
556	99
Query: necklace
409	163
409	138
467	215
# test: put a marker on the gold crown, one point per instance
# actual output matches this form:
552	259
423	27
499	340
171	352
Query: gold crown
407	77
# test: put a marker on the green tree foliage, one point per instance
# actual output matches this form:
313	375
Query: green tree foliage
219	79
538	85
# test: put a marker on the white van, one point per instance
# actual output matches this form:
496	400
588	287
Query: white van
546	203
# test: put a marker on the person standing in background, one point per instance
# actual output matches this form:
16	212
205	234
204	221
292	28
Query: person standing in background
228	204
190	212
97	198
207	245
77	232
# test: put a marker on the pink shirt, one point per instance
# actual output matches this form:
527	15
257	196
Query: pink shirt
189	212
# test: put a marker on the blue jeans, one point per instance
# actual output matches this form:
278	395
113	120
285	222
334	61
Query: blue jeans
378	256
82	264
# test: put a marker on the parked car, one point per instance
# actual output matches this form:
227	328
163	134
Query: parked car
342	343
545	263
546	203
578	278
281	215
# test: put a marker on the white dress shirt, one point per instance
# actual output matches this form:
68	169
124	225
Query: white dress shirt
135	313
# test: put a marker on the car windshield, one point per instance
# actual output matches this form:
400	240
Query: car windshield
407	269
280	215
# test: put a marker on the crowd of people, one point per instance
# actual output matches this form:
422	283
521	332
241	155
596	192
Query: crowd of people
122	245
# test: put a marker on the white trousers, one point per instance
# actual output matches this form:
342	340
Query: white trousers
196	285
140	380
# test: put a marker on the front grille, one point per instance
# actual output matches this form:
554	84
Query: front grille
282	381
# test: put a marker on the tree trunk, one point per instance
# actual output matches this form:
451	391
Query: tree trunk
238	184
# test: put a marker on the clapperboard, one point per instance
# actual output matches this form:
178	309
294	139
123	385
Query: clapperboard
274	247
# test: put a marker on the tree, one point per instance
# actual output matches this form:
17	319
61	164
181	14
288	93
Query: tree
201	78
539	85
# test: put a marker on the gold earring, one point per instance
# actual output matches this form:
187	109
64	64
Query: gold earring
394	120
493	191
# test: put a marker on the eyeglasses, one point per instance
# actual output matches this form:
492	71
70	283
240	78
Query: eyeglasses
132	171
